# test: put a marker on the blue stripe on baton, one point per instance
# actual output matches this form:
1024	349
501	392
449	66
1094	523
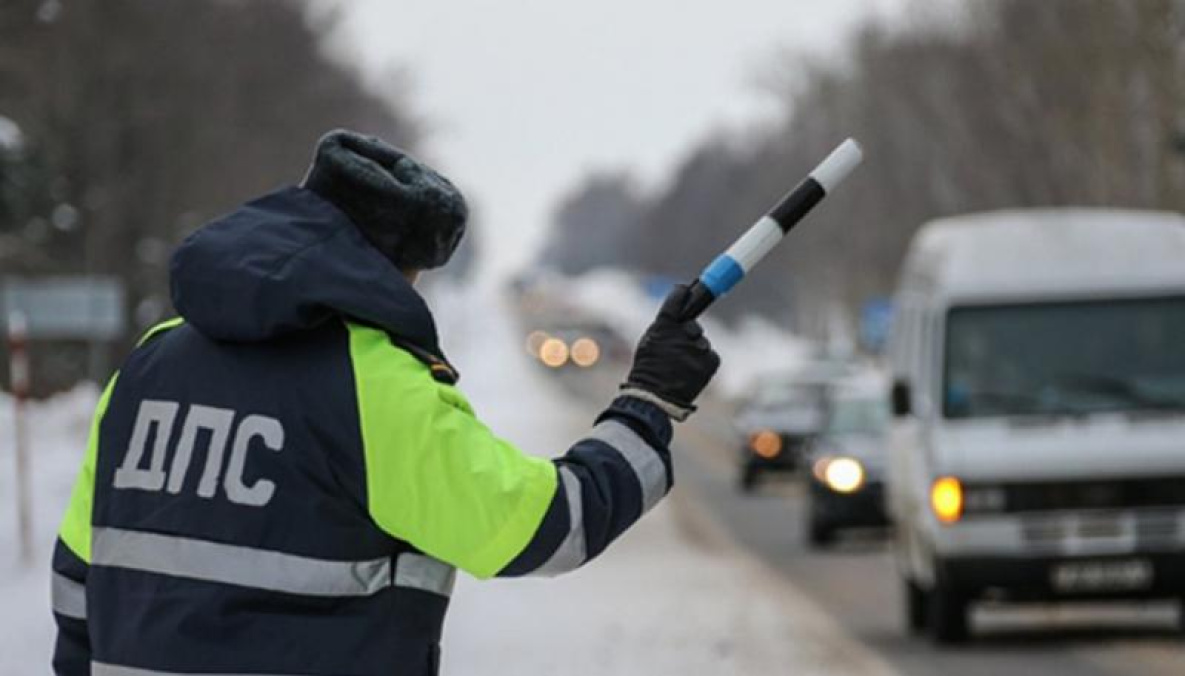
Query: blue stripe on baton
722	275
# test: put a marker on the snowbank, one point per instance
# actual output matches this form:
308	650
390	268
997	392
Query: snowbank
57	438
755	347
613	296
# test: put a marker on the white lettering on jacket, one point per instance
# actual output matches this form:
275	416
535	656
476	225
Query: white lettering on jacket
156	419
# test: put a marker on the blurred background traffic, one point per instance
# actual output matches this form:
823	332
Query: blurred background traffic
952	404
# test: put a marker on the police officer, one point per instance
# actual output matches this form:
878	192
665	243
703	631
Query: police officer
284	479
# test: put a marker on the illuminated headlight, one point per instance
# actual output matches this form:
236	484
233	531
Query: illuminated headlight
553	352
585	352
766	443
841	474
946	499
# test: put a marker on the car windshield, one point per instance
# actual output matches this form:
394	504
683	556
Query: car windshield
857	416
1065	358
783	395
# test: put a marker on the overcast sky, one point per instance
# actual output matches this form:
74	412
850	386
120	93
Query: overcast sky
527	96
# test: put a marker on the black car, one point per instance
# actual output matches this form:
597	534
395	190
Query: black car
847	459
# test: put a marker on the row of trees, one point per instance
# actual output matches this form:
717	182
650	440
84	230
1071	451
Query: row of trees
1000	104
140	119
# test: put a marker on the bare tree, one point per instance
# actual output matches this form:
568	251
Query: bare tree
149	117
1004	103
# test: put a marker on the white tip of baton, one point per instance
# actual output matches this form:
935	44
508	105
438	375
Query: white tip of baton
833	170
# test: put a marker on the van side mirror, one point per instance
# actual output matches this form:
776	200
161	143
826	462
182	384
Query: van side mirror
902	404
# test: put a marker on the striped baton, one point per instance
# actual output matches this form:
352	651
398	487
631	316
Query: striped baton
730	267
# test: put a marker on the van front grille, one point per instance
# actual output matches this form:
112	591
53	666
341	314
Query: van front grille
1157	527
1108	494
1144	530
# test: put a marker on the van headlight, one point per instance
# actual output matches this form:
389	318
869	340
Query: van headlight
841	474
946	499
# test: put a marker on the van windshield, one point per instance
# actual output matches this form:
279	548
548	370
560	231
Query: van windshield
1065	358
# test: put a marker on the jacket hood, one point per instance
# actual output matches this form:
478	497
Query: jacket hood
290	261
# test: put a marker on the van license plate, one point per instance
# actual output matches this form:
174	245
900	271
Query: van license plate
1091	576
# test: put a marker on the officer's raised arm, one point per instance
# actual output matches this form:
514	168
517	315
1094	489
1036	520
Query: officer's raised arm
440	480
622	468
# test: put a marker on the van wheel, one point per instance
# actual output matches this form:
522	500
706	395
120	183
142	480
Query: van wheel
915	606
947	616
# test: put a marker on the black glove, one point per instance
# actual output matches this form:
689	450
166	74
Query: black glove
674	361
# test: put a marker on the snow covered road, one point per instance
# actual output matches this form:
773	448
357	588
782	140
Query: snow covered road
656	603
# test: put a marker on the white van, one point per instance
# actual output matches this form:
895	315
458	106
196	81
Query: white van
1038	444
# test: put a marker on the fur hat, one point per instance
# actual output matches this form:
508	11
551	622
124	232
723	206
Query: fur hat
410	213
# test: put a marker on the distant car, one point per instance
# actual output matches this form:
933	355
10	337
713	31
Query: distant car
577	344
775	423
847	461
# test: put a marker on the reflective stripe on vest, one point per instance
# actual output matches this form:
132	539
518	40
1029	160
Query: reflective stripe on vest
574	549
264	569
416	571
68	597
644	460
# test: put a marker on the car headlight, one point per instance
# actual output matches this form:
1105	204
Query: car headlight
553	352
946	499
841	474
585	352
766	443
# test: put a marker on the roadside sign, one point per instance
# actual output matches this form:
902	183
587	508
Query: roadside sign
876	317
65	308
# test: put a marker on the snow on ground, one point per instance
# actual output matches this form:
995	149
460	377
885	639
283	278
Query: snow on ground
57	439
655	603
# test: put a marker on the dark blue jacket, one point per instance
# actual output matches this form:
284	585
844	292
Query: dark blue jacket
283	480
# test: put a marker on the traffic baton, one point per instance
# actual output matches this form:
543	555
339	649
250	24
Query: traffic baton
730	267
